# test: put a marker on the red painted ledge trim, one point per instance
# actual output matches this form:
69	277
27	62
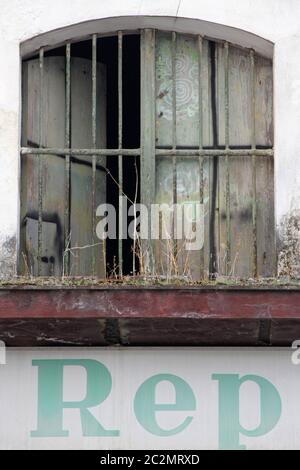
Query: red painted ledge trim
158	302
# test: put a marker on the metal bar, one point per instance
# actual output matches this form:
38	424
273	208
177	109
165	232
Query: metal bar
94	144
226	108
40	163
174	138
214	153
213	147
174	100
201	158
66	261
227	190
253	145
193	153
120	141
80	152
148	104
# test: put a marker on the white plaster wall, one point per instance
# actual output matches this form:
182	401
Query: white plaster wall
246	21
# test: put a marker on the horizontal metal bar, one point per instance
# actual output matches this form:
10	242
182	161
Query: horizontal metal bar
158	152
206	147
215	153
83	152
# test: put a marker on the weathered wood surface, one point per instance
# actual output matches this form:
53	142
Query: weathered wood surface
53	167
242	192
171	86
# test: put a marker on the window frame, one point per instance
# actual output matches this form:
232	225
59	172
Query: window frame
148	151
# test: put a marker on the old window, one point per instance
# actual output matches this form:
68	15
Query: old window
158	118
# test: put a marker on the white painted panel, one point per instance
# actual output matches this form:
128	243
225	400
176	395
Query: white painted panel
129	368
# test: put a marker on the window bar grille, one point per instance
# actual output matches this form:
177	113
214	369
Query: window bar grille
94	144
148	148
120	143
227	191
66	259
253	146
174	141
40	163
201	158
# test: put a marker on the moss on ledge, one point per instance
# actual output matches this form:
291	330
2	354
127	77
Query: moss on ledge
148	282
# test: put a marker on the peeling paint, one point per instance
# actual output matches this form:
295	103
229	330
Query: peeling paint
289	246
8	255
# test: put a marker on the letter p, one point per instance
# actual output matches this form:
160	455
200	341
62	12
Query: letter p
229	407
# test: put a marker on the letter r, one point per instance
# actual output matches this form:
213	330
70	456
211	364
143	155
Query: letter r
50	397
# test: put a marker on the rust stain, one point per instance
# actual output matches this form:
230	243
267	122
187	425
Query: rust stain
163	94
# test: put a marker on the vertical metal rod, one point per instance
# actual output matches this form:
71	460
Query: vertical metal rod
94	144
253	146
40	165
174	137
201	159
227	163
120	143
67	160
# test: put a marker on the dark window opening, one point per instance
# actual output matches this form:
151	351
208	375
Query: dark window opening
108	51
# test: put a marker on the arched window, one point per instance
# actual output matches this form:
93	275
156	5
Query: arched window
154	117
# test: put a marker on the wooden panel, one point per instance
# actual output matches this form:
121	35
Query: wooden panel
164	91
53	171
206	96
164	247
241	194
188	192
220	92
264	101
81	168
52	167
241	233
147	261
187	134
239	97
187	91
266	252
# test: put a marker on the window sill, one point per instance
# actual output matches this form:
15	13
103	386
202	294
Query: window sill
244	314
